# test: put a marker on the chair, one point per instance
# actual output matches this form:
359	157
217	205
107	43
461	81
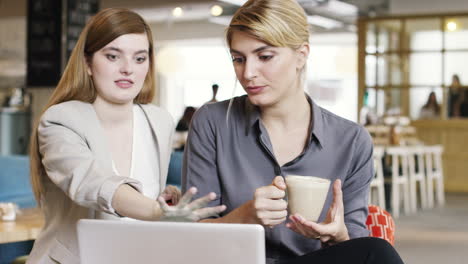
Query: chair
399	181
174	175
380	134
434	172
377	183
380	224
15	187
417	174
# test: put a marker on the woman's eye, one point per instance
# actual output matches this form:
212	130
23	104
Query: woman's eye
141	59
111	57
237	59
265	57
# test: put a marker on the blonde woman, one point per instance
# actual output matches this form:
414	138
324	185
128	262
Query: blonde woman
100	149
242	148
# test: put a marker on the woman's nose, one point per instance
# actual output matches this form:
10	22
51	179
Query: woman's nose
250	69
126	67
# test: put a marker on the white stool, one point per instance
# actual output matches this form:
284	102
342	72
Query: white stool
416	156
399	155
377	182
434	172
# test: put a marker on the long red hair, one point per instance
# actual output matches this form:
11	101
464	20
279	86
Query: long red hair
76	84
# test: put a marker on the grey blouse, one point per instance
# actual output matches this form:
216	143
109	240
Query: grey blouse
232	156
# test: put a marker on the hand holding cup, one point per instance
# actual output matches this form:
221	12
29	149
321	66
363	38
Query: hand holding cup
330	231
269	206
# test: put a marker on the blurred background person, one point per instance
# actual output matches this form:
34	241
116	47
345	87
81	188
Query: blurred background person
180	136
431	109
214	87
455	97
463	104
367	115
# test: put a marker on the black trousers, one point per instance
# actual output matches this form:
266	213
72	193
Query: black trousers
365	250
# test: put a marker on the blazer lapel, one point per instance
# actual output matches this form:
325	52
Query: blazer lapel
158	134
96	137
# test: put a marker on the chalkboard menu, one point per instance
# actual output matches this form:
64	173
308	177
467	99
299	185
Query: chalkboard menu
44	42
78	13
53	29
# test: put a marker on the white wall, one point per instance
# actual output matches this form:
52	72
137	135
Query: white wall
427	6
186	70
332	73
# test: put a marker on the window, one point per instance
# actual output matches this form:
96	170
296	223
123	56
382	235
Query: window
407	59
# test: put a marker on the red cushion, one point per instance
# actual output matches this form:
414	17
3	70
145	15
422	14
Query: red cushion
380	224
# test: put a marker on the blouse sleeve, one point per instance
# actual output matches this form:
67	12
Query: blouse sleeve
356	186
200	168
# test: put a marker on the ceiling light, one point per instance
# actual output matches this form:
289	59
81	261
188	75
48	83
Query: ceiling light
234	2
342	8
452	26
324	22
216	10
177	12
221	20
332	7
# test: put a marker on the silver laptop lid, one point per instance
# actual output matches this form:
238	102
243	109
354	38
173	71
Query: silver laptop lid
119	242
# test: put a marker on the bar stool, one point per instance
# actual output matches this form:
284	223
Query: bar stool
399	181
377	182
434	172
417	174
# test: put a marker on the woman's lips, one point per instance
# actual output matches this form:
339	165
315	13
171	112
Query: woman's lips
124	83
255	89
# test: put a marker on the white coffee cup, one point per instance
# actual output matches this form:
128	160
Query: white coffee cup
8	211
306	195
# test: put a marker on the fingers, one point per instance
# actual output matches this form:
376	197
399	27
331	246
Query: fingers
201	202
272	218
269	192
273	215
279	183
274	222
176	197
163	204
301	221
337	193
270	212
270	205
171	193
337	205
325	239
175	194
209	211
308	228
187	197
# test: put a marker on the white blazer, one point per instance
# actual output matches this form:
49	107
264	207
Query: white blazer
78	177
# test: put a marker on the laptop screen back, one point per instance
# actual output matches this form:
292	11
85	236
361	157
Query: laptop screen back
105	241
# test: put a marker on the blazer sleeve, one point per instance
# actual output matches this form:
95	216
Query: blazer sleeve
71	165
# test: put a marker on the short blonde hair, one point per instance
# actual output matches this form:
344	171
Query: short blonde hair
279	23
76	84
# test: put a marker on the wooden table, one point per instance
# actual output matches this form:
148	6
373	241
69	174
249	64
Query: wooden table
27	226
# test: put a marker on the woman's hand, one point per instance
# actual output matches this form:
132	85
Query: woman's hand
186	211
171	193
331	231
268	207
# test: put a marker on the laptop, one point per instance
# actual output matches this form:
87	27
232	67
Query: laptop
119	242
